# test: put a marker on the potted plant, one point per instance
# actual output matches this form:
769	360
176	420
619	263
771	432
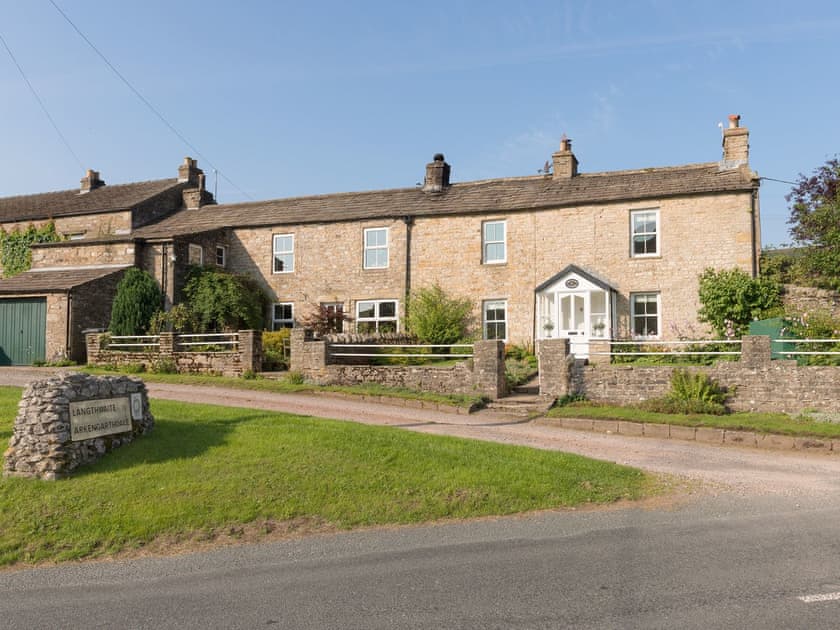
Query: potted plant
548	327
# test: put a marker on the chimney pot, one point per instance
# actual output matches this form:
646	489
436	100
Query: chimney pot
736	143
734	121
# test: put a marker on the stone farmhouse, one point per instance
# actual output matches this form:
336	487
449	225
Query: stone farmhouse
585	256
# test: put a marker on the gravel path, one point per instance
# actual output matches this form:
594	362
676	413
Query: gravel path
722	468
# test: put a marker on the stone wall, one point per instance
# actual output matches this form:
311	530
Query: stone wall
484	374
808	299
82	254
41	445
757	382
248	356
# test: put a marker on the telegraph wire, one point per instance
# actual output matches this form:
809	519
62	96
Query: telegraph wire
146	102
41	103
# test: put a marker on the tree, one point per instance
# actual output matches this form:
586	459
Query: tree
730	299
137	299
435	317
219	300
815	222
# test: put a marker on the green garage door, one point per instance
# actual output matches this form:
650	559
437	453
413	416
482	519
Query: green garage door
23	324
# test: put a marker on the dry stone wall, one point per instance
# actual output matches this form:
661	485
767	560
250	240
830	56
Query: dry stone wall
73	419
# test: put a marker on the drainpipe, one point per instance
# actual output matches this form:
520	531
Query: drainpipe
755	254
409	221
164	266
67	345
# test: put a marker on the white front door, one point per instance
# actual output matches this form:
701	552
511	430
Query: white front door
573	313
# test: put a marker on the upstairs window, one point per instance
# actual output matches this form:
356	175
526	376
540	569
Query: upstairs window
493	246
221	256
376	248
284	253
644	233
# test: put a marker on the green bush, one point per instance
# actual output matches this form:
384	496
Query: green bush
295	378
222	301
137	300
16	246
433	316
275	349
690	393
730	299
164	365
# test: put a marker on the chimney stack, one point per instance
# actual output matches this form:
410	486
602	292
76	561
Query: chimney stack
564	161
189	171
90	182
437	175
197	197
736	143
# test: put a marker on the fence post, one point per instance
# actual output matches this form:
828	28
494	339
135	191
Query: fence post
250	350
167	344
555	366
93	346
755	350
489	368
308	356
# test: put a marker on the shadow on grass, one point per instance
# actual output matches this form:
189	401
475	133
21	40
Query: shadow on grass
170	440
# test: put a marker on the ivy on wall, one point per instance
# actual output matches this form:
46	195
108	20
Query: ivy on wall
16	246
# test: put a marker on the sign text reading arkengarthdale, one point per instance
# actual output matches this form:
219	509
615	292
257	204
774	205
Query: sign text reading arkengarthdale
94	418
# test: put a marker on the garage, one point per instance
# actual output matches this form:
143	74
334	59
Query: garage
23	324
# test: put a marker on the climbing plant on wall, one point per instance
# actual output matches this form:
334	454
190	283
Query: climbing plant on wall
16	246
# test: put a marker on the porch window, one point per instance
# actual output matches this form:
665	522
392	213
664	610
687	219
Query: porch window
376	316
284	253
283	315
376	248
495	319
493	246
644	233
645	314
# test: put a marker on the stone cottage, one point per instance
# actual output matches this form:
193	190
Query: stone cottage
71	283
584	256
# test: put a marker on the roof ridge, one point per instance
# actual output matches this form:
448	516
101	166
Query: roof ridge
65	191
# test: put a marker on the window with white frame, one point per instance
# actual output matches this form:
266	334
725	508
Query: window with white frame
282	315
195	254
284	253
644	233
645	314
376	248
493	246
376	316
221	256
494	318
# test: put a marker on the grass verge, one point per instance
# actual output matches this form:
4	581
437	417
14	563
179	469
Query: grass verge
777	423
206	470
282	386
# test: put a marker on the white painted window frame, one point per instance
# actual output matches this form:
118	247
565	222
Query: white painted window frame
486	305
282	320
275	251
485	259
633	233
376	248
223	250
633	299
377	319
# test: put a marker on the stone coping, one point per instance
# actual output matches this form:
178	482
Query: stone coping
396	401
704	435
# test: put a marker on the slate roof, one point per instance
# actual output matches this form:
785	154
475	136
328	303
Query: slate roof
487	196
54	280
70	202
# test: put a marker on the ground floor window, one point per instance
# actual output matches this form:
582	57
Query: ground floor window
645	314
374	316
494	319
334	312
283	315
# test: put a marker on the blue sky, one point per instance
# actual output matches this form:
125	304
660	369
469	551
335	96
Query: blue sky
293	98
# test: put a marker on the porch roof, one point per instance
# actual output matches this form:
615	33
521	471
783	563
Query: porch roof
54	280
588	275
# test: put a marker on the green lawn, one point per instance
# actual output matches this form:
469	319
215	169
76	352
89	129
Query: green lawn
206	469
778	423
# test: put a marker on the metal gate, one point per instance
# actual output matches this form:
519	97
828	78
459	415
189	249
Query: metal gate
23	324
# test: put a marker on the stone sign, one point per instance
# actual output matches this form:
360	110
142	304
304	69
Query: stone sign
94	418
73	419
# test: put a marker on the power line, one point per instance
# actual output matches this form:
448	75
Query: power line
41	103
781	181
146	102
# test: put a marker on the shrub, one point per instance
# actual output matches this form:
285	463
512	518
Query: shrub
137	299
730	299
275	346
690	393
520	365
178	319
249	375
435	317
323	319
164	365
295	378
16	246
224	301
